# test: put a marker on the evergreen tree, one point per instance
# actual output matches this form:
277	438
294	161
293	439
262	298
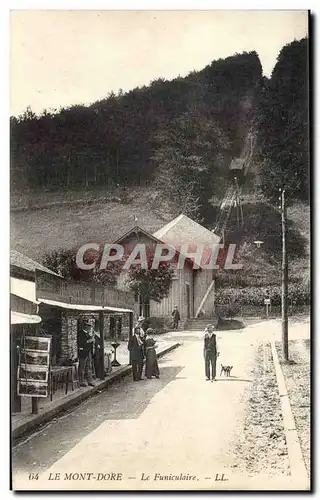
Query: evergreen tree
283	128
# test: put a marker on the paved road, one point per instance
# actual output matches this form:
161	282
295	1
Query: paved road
179	424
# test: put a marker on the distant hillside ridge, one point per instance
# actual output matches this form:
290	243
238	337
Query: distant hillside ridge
115	140
162	150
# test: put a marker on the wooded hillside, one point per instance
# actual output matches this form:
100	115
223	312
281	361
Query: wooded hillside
178	136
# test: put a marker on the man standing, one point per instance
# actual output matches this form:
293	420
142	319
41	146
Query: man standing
135	346
97	354
176	317
139	324
86	339
210	352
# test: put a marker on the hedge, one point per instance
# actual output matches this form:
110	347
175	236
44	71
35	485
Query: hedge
298	294
159	325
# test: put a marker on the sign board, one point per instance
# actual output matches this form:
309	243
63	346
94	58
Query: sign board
267	301
51	287
33	369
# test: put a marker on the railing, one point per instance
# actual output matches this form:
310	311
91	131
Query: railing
205	297
52	287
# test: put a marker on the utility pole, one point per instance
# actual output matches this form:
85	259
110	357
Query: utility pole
284	294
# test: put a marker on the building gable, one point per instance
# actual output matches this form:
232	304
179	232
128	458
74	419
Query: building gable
138	235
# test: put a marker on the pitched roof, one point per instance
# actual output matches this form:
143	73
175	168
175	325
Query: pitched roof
20	260
183	230
135	230
138	229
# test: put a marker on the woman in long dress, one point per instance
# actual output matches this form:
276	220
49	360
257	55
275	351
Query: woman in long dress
152	368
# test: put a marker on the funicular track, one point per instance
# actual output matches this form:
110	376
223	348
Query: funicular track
231	198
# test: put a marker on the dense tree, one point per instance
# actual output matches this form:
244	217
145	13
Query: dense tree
115	140
283	127
150	284
63	262
189	158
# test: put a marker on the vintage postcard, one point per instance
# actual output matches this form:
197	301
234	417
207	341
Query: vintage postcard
160	250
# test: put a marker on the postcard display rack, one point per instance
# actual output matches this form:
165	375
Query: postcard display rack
34	366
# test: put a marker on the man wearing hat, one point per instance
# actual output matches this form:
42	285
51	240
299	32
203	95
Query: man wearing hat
86	340
139	324
136	348
210	352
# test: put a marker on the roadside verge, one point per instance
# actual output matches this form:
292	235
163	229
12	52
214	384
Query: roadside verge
297	466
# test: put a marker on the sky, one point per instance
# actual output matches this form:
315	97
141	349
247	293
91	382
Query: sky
65	57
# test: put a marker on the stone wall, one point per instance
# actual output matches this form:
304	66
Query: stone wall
125	327
69	332
106	326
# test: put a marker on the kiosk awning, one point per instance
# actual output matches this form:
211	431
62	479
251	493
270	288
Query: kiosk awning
18	318
24	289
80	307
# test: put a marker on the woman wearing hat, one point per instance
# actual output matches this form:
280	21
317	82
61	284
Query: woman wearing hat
152	368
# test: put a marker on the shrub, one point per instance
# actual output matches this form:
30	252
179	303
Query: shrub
159	325
229	324
231	299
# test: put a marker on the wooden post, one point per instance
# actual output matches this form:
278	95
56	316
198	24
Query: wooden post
16	400
130	331
284	295
101	360
35	405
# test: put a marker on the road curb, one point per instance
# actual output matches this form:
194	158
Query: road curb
297	465
77	398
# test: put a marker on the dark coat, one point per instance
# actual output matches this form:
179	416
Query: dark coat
176	315
85	343
152	367
135	348
210	345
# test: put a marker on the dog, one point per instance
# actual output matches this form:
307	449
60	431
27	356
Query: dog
226	370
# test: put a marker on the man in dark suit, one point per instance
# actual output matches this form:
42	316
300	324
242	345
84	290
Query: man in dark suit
176	317
210	352
85	347
135	346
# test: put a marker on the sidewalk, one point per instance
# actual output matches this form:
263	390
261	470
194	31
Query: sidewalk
25	422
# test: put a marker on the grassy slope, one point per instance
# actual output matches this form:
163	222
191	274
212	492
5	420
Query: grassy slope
299	215
70	225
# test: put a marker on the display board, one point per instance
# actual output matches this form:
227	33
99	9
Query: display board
34	364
